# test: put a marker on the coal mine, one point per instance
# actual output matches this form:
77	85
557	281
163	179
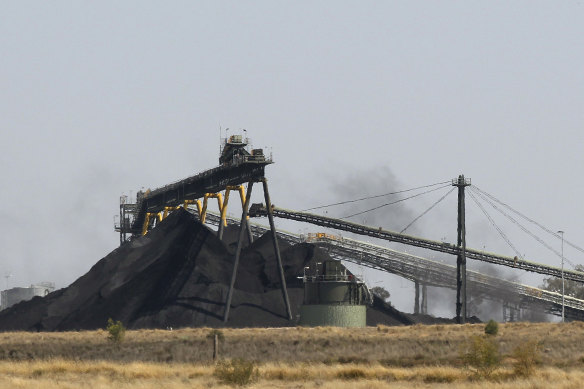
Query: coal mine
177	276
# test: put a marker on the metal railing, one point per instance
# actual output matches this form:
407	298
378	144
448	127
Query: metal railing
426	271
444	247
331	278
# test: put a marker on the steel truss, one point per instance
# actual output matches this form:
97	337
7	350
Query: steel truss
444	247
133	216
428	272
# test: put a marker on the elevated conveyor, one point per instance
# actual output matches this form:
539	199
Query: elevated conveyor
195	187
433	273
238	166
444	247
429	272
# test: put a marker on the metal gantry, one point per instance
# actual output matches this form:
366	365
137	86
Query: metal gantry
134	216
428	272
238	165
243	225
433	273
444	247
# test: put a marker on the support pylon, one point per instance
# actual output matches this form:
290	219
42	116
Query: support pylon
424	307
417	298
244	226
223	210
461	183
276	248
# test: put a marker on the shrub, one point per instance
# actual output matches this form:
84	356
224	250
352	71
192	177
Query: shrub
439	376
380	292
351	359
492	327
483	355
116	331
237	372
219	333
526	356
353	373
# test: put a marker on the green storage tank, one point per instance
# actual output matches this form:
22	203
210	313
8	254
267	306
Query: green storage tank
333	296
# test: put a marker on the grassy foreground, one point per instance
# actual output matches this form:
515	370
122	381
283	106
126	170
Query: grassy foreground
374	357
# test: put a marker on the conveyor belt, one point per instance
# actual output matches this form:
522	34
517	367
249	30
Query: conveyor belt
429	272
259	210
191	188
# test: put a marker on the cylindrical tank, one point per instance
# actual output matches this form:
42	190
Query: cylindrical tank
332	297
333	315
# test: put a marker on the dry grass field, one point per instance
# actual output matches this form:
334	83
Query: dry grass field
374	357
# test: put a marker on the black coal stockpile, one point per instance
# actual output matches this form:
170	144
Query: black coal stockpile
178	276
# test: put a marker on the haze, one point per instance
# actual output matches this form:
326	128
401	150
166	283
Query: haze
353	98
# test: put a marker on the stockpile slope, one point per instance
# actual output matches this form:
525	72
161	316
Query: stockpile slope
178	276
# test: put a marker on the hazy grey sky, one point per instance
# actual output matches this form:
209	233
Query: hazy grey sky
100	98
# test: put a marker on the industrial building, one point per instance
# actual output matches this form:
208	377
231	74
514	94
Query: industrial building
13	296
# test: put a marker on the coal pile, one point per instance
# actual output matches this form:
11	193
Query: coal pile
178	276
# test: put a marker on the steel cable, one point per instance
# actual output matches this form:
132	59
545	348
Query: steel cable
393	202
524	229
373	197
503	235
426	211
555	234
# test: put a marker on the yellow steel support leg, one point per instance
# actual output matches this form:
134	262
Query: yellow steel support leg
220	203
146	223
203	213
196	202
242	196
199	207
148	218
167	210
206	198
224	207
223	214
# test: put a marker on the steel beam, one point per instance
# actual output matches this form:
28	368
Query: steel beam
220	230
249	232
242	228
429	272
276	248
417	298
424	308
194	187
461	183
444	247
